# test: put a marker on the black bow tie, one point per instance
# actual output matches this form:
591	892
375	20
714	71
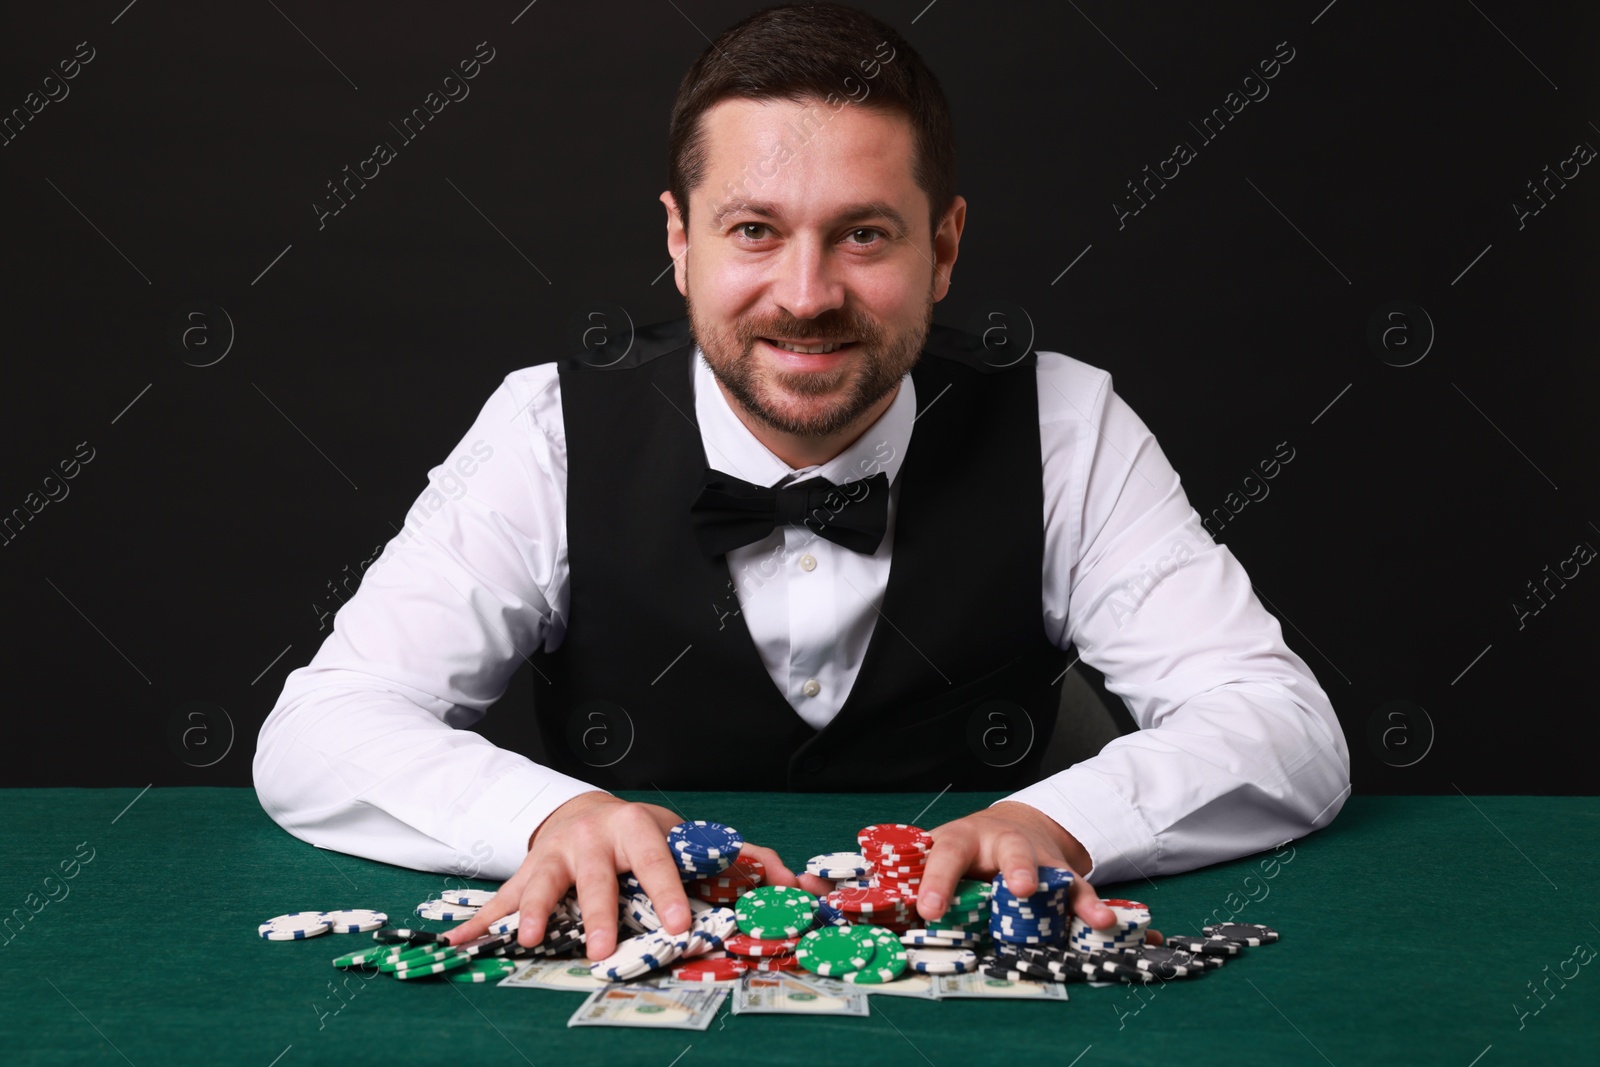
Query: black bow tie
730	513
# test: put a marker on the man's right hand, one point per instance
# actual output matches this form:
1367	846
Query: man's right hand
587	842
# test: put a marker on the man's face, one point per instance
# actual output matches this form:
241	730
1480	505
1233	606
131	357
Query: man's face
806	236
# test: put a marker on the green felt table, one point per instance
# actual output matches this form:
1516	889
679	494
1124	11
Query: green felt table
1415	930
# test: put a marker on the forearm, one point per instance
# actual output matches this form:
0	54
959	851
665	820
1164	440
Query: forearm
368	772
1235	771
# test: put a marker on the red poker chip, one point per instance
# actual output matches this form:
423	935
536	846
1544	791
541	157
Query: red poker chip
1117	903
721	969
894	838
744	873
754	948
854	900
774	963
716	894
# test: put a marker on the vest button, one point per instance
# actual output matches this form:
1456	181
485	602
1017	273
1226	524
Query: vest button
811	688
808	562
814	764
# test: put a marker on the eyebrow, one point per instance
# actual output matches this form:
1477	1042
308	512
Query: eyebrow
850	213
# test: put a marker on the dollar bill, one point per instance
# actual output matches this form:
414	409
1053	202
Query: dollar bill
981	986
777	993
565	975
650	1006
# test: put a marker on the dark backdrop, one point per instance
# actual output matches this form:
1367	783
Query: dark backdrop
249	396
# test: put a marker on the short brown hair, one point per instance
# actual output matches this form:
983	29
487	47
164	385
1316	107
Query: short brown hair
801	52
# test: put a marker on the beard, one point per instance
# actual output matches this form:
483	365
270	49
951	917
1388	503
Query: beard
870	371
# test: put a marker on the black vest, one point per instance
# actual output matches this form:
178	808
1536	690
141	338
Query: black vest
657	683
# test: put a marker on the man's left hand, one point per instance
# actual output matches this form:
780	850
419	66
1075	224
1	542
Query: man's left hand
1016	839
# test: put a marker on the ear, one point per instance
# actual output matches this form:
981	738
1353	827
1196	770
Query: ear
946	243
677	243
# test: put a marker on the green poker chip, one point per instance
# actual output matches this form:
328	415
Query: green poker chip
368	957
888	963
424	970
773	912
483	970
834	951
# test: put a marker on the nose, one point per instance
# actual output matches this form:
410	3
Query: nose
807	282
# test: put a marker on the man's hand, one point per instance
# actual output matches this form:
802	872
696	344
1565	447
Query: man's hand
1015	839
587	842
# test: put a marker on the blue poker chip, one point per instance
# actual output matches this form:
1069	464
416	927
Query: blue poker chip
705	840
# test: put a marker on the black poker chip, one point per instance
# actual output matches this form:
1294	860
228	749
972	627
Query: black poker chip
389	935
1205	946
1162	962
1252	934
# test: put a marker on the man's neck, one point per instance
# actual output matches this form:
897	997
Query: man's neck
802	452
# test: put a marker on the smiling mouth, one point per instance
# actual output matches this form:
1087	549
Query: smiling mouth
808	349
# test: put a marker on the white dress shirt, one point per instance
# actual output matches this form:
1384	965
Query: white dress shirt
1238	747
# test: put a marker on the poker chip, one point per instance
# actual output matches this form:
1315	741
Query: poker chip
507	924
636	956
482	970
354	921
294	926
1204	946
1250	934
837	866
472	898
942	960
775	911
889	960
445	911
755	948
402	936
836	950
427	969
720	969
367	957
773	963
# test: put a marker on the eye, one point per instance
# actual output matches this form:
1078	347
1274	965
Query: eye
871	234
744	227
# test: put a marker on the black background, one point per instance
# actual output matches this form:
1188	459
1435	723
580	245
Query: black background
179	576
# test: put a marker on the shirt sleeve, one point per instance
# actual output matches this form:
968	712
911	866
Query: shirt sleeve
1239	748
363	751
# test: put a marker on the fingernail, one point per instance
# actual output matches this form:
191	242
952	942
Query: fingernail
1019	874
934	901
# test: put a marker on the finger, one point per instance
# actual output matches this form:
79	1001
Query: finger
546	885
652	864
777	872
817	887
1016	859
597	899
1153	937
503	903
954	849
1085	903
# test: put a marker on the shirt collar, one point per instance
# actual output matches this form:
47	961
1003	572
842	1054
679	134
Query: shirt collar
733	449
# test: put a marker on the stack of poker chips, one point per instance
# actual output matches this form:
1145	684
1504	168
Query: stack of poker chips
1133	919
703	848
964	922
896	855
1039	918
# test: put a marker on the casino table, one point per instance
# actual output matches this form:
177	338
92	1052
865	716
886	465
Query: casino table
1416	930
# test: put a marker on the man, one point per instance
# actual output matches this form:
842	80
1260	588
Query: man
813	223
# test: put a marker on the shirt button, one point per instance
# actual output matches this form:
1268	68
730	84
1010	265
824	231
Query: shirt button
808	562
811	688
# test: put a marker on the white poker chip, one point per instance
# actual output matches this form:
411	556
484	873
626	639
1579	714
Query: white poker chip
294	926
637	906
838	866
444	911
473	898
354	920
637	956
942	960
709	930
507	925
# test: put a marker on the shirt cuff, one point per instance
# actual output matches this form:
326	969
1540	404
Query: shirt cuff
1105	824
512	809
